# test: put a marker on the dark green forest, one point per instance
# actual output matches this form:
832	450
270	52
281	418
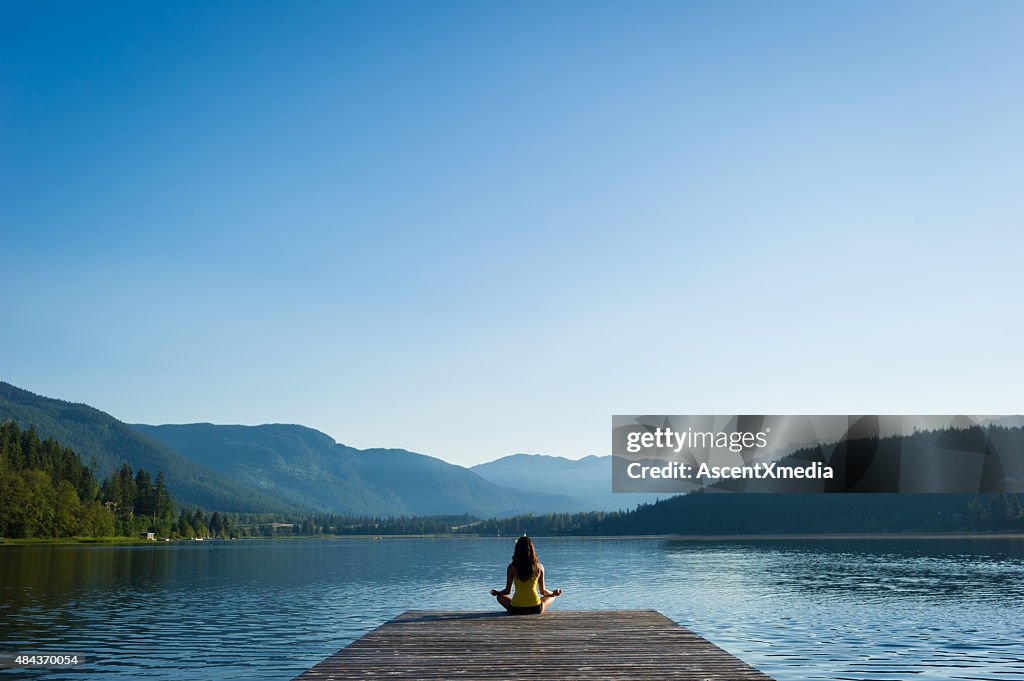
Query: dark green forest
47	492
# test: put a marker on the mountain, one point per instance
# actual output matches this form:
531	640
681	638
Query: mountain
289	468
305	467
1015	421
99	437
588	480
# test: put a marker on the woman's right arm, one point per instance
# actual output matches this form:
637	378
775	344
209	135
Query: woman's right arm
508	580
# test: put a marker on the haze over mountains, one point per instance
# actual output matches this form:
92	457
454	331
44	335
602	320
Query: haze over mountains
307	468
587	480
285	468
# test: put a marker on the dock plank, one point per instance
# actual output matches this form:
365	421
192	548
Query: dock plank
563	644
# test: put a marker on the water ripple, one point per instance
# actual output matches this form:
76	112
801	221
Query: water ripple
270	609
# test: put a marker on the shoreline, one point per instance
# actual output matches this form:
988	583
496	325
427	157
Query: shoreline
75	541
866	536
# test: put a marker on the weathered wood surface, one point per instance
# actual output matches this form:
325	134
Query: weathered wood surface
560	644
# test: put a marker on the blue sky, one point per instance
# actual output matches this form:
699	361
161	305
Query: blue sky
474	229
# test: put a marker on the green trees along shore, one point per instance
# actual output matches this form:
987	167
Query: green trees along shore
47	492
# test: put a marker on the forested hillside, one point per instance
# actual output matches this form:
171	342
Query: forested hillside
106	443
728	513
46	491
307	468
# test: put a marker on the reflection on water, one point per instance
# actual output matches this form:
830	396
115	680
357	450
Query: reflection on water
885	609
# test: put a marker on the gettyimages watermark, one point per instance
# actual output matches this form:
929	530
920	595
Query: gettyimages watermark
818	454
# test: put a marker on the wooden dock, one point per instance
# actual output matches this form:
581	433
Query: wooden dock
560	644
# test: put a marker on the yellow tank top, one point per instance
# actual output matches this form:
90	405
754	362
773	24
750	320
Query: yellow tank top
526	595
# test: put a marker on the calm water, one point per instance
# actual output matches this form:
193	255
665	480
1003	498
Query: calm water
887	609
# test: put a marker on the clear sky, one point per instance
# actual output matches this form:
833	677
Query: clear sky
476	228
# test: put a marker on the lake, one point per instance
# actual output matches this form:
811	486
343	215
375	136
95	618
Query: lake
269	609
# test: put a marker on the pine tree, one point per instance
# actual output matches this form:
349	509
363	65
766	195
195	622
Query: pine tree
145	494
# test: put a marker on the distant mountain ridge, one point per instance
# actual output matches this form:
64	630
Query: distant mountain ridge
283	468
588	480
99	437
303	466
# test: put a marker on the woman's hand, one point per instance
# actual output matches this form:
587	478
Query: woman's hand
556	592
495	592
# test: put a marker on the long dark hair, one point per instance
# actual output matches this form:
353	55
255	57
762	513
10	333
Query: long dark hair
525	559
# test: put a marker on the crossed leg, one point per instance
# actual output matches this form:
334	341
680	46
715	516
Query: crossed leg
545	601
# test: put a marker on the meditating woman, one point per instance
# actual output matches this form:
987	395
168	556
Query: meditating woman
526	572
